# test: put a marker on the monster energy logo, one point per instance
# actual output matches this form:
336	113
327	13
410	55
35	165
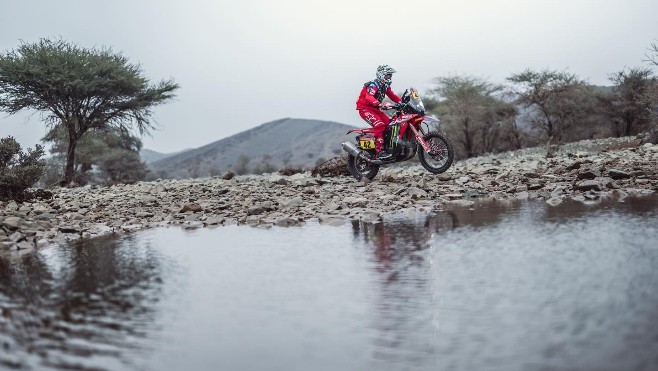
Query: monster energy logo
395	130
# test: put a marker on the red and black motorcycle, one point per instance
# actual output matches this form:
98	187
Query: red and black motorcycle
408	133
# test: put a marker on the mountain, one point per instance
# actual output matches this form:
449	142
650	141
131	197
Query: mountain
150	156
285	143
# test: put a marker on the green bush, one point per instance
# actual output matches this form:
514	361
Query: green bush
18	170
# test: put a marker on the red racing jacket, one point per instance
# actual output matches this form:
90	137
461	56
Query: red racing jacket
373	94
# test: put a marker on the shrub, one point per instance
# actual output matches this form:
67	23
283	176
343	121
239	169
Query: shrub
18	170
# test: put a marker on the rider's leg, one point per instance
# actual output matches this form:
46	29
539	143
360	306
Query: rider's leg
378	120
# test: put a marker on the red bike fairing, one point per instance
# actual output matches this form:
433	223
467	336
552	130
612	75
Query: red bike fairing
368	104
406	118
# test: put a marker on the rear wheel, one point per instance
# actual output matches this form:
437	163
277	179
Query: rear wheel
360	168
441	153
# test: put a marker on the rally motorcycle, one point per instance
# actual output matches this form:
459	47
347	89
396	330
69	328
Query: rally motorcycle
408	133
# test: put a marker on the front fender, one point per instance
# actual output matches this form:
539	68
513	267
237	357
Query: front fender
432	120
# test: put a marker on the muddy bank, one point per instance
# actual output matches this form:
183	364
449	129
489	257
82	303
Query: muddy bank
585	171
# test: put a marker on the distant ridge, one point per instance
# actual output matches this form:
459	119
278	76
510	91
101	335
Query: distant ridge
288	142
149	156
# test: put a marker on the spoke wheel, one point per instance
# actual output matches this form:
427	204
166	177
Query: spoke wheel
440	156
360	168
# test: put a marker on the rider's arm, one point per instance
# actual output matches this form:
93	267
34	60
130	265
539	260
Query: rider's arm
394	97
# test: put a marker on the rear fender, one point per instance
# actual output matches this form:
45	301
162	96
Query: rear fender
362	131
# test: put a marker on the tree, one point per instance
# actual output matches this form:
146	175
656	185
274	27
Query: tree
100	150
631	104
18	170
553	97
122	166
652	56
473	111
80	89
241	165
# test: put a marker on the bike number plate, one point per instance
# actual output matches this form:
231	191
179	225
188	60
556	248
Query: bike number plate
367	143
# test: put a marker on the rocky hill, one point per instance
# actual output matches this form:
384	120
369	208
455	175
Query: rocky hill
292	143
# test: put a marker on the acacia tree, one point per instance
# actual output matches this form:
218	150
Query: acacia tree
472	110
652	56
80	89
552	94
631	104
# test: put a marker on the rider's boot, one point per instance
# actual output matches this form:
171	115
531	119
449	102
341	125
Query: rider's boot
382	151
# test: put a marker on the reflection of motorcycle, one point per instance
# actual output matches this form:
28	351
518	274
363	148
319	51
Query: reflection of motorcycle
403	136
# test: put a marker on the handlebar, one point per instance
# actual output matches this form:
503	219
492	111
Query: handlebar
394	106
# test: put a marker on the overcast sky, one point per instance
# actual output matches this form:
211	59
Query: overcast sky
241	63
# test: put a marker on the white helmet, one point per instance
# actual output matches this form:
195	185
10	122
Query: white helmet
384	73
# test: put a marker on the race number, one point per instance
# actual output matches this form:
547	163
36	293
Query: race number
367	143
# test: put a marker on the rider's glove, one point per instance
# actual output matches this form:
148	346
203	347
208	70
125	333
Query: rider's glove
386	105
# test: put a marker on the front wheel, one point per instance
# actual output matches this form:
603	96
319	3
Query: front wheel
441	153
360	168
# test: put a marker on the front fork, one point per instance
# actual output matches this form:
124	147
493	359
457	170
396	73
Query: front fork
419	136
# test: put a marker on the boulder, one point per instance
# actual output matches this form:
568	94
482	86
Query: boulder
444	177
288	203
587	174
159	188
69	229
618	174
416	193
370	216
12	223
260	208
336	220
286	221
11	206
191	208
278	179
554	201
588	185
356	201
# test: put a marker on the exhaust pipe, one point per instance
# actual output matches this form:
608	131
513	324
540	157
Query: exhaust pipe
350	148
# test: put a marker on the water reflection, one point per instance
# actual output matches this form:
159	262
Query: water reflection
80	306
631	206
401	263
476	280
398	244
501	286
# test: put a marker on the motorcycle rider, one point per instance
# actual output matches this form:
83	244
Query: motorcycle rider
370	105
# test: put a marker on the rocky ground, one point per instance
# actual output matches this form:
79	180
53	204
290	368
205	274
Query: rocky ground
585	171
